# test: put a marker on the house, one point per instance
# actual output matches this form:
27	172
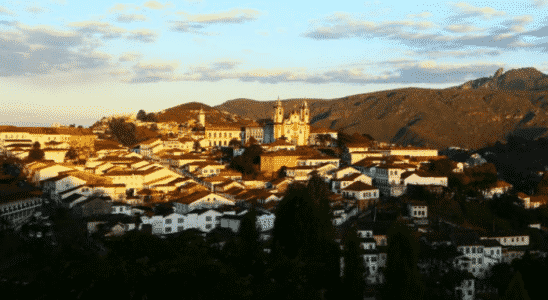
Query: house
299	173
92	206
43	171
121	208
222	135
354	157
55	185
278	145
532	202
363	193
199	200
316	131
264	221
18	202
423	178
340	173
417	209
499	188
343	182
316	160
507	238
165	224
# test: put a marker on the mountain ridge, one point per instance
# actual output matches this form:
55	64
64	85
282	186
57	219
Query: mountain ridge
475	114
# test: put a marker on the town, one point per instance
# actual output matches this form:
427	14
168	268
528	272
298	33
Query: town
205	179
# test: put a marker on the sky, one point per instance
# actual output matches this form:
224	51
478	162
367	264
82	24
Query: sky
64	61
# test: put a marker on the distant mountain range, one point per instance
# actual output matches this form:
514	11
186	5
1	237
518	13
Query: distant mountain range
472	115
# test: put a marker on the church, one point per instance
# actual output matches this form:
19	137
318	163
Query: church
295	127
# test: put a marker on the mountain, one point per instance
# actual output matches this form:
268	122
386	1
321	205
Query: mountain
189	111
473	115
524	79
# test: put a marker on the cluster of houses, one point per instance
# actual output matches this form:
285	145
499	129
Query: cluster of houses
170	185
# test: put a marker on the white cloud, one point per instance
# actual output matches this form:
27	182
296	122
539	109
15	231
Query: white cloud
128	18
120	7
463	28
236	15
5	11
105	29
424	14
143	35
539	3
157	5
486	11
37	9
130	56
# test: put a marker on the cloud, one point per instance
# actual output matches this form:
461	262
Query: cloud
463	28
156	66
37	9
128	18
343	25
59	2
235	15
119	7
42	50
143	35
130	56
156	5
398	71
421	15
539	3
5	11
458	53
105	29
473	11
420	36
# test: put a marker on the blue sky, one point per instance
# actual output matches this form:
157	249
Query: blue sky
76	61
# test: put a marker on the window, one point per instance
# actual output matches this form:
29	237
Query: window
168	229
474	250
479	260
168	221
208	226
208	218
180	228
474	260
480	250
181	220
467	250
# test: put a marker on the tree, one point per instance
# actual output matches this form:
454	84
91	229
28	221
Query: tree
71	154
234	143
442	166
252	141
282	172
80	126
141	115
516	290
354	269
151	117
154	127
402	276
72	125
36	153
196	146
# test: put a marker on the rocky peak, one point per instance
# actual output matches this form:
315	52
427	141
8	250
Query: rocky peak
498	73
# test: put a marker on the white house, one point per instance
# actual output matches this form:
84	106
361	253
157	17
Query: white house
499	188
199	200
422	178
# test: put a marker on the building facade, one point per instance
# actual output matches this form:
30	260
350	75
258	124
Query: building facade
295	128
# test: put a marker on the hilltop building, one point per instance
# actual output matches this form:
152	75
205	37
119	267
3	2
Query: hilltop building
295	128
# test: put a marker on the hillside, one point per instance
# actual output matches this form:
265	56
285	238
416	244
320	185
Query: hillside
189	111
473	115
